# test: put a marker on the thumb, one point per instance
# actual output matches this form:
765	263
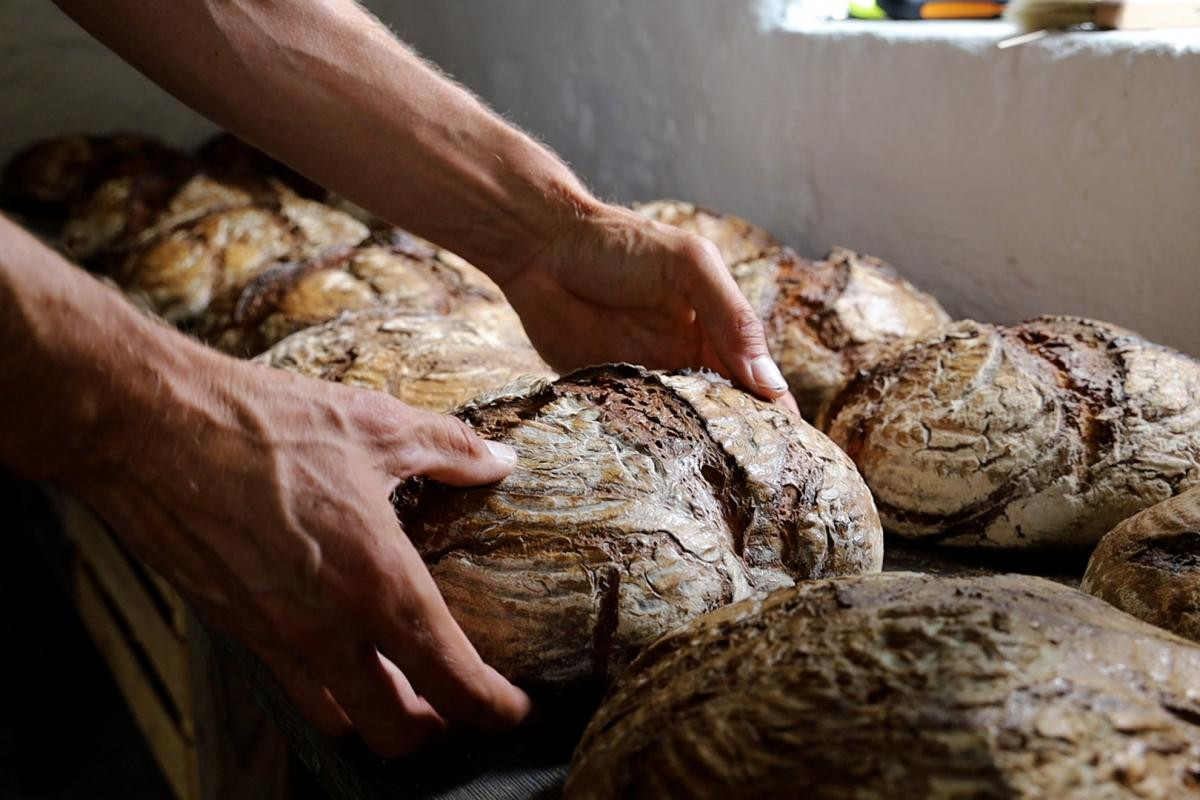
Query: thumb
448	450
734	331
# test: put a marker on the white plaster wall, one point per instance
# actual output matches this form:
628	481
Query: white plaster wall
1062	176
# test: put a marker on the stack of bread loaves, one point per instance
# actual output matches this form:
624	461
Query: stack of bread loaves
232	246
704	555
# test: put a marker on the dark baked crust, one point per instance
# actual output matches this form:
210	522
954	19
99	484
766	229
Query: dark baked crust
898	686
827	319
50	176
640	500
824	319
396	270
1043	434
1149	565
210	238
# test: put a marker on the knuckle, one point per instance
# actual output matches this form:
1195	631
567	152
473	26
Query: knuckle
377	411
700	252
474	706
745	325
455	436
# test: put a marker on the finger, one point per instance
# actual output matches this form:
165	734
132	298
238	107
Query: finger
414	629
312	699
385	710
732	327
446	449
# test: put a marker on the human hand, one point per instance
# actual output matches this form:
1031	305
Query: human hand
264	497
611	285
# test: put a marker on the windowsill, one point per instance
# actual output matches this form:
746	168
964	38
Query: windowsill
973	34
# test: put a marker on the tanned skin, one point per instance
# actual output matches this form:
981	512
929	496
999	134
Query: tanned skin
264	496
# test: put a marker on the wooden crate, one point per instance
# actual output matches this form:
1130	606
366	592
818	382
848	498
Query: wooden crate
200	719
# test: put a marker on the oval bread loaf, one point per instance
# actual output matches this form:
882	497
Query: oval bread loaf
396	271
903	686
1149	565
431	361
1043	434
51	176
215	237
824	320
827	319
639	500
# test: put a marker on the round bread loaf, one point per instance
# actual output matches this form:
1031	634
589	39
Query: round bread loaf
430	361
1043	434
736	238
107	221
400	272
211	238
827	319
52	175
1149	565
640	500
824	319
132	192
903	686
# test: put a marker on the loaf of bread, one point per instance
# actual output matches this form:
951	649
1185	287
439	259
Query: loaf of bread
824	319
736	238
827	319
1149	565
432	361
210	238
396	270
903	686
50	176
1043	434
640	500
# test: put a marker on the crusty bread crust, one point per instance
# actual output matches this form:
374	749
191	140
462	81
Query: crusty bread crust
1045	434
824	319
640	500
394	270
827	319
1149	565
903	686
432	361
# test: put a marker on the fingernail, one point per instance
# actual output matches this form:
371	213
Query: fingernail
767	375
502	452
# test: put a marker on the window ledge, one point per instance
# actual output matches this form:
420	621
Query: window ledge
981	35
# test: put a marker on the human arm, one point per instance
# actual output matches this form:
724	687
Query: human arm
326	88
262	496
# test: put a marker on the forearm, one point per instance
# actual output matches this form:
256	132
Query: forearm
329	90
79	366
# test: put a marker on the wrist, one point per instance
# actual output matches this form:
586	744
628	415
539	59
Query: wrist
120	404
541	204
